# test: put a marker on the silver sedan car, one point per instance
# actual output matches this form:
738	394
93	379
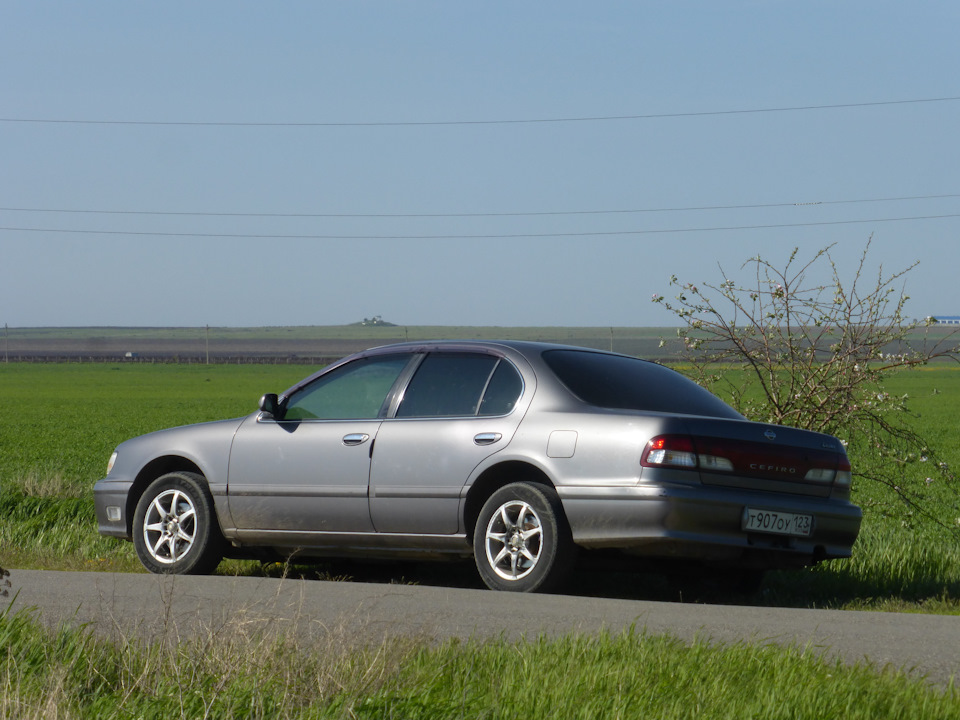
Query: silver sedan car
518	454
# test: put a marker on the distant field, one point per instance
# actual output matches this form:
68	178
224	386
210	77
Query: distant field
304	344
316	343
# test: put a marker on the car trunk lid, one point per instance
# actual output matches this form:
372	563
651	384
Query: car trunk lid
758	456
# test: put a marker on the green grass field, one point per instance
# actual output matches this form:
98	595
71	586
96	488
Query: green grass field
61	422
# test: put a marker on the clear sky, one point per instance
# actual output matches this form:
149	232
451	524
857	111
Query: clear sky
314	163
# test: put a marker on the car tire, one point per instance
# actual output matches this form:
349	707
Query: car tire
175	529
522	542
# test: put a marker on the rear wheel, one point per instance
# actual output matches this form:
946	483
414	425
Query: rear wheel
175	529
521	542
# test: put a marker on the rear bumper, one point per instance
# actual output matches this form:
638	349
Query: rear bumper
705	523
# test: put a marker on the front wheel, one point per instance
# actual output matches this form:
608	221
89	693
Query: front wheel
175	529
521	542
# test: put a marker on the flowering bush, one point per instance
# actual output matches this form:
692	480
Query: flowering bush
815	356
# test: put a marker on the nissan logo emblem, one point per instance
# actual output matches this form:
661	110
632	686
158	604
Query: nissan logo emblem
770	435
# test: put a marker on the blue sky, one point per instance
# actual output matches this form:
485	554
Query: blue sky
206	155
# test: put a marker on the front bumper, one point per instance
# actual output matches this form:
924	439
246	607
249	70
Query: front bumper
110	500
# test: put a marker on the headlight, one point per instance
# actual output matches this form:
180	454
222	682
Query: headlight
113	459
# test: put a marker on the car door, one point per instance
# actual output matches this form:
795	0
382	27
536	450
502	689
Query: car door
309	469
455	412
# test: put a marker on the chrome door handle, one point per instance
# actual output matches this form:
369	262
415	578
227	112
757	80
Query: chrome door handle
486	438
355	439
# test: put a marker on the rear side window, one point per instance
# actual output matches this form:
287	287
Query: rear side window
461	385
502	391
619	382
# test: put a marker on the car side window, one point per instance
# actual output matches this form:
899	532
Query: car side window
451	385
502	391
616	381
351	392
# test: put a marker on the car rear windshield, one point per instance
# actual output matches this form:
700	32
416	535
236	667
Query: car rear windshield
620	382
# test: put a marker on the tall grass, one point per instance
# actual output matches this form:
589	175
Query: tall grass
885	573
234	673
228	672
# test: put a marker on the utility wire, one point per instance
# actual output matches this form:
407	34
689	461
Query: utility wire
599	118
473	237
479	214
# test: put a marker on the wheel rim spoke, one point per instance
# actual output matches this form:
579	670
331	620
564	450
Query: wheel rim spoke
170	526
176	501
513	540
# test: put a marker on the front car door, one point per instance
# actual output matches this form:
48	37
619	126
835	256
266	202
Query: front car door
309	470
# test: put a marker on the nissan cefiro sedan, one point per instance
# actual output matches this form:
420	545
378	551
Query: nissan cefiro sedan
517	454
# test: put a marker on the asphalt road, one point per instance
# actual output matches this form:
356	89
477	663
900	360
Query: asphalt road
149	606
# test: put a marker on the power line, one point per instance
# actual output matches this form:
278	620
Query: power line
481	214
597	118
474	237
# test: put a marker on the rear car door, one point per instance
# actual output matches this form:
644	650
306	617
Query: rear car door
457	410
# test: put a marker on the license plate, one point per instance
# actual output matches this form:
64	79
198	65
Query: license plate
776	522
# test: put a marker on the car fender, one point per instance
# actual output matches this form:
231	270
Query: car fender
204	445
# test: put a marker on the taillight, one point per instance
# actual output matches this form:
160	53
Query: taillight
844	473
820	474
747	459
680	451
830	468
670	451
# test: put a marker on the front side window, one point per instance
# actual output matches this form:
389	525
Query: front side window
461	385
351	392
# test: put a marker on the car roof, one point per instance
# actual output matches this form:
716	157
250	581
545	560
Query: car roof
530	352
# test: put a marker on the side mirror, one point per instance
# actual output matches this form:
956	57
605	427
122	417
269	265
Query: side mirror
270	406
